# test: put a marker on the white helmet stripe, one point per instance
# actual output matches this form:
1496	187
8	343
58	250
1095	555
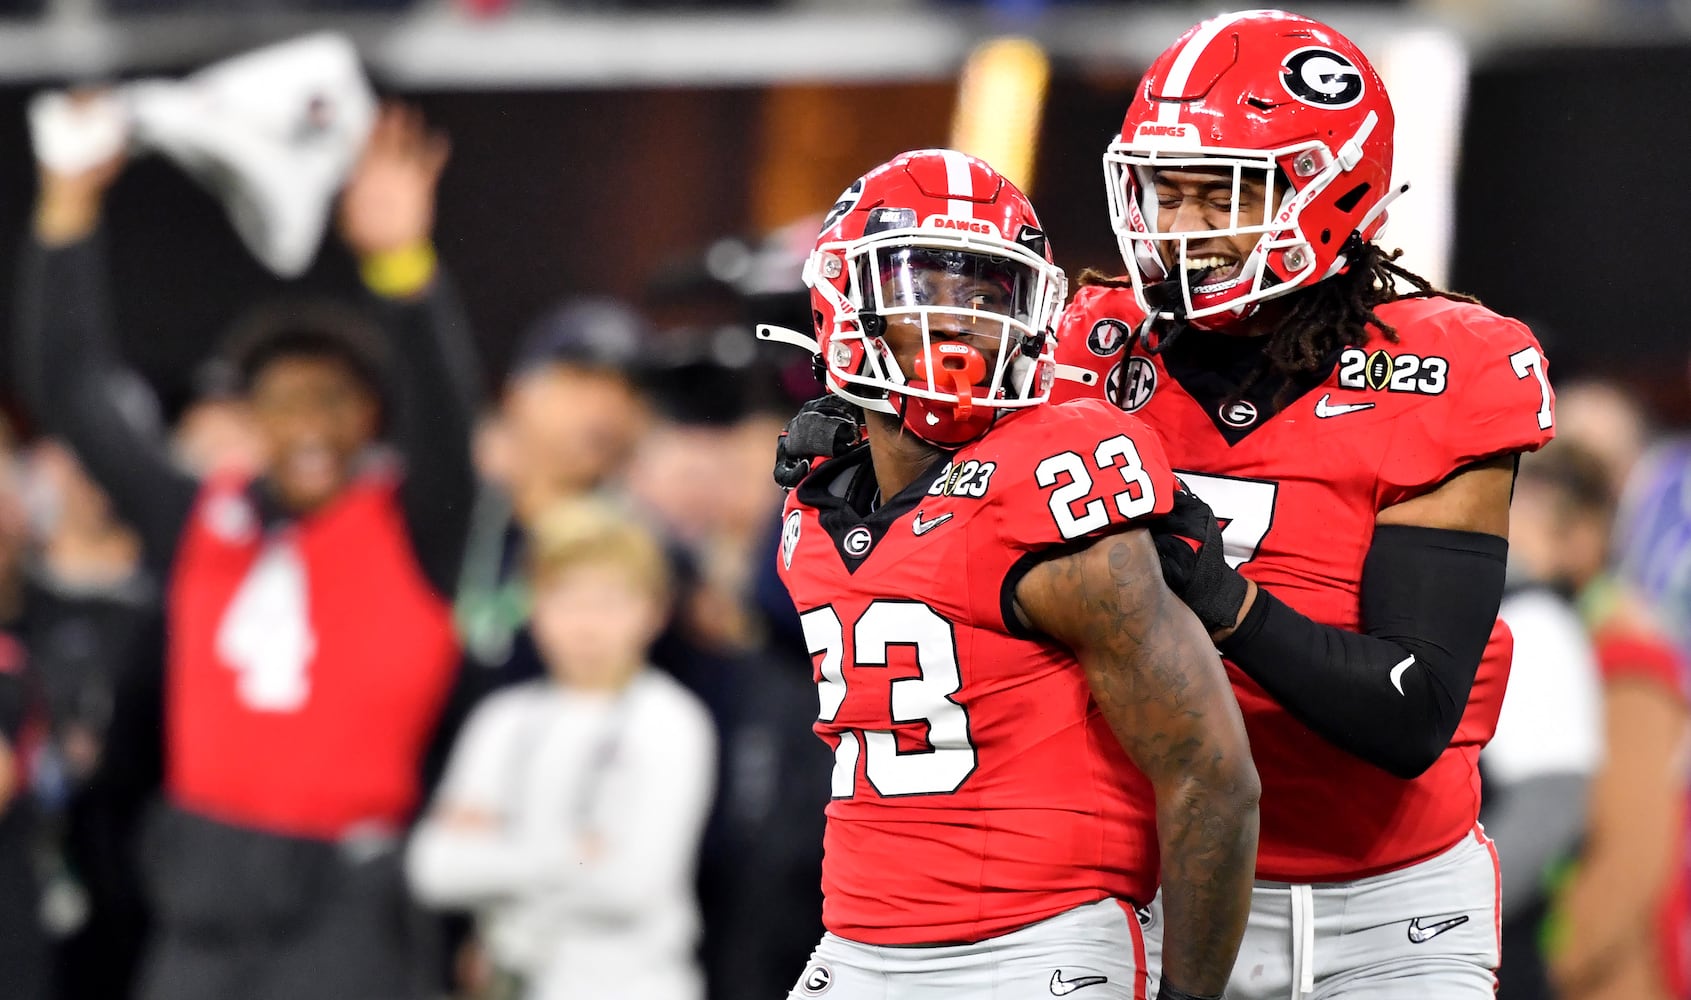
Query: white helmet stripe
960	184
1168	112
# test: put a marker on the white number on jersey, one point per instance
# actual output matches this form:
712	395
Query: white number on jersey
925	698
1116	453
265	635
1244	506
1528	361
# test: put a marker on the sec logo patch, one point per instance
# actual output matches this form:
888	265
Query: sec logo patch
1131	383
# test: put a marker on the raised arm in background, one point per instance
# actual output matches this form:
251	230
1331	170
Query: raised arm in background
69	374
387	218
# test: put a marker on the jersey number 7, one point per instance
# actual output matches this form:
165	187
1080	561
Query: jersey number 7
1245	508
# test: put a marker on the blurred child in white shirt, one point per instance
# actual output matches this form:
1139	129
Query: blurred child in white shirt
570	815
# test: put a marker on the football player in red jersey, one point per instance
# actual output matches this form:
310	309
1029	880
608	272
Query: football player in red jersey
1024	718
1357	445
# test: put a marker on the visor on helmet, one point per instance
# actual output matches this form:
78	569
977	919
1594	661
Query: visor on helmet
975	287
998	297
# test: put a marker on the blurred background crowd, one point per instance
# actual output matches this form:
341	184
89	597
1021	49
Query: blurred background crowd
571	752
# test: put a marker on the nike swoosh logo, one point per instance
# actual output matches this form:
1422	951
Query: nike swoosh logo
1397	673
1061	987
921	527
1324	407
1420	933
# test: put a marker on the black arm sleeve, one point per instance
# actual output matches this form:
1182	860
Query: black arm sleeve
71	379
436	391
1395	694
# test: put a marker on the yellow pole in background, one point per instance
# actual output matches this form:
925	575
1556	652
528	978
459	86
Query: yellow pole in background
1000	99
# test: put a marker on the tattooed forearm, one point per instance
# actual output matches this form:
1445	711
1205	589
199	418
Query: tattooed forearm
1158	681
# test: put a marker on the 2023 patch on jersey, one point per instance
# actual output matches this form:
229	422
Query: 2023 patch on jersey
976	787
1297	473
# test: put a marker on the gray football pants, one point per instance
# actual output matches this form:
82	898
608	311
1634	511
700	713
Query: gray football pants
1091	952
1426	932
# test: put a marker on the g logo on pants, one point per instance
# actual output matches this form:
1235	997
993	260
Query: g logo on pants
816	980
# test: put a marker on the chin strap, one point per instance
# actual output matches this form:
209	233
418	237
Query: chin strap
1168	305
1380	209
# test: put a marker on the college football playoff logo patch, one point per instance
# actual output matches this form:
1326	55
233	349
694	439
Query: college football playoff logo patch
1322	77
790	537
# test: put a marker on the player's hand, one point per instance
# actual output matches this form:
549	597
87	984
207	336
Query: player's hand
823	428
1190	549
389	201
81	145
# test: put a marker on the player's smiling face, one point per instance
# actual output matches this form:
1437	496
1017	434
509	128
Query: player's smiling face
1196	200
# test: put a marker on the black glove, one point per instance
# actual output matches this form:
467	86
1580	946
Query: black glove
822	428
1194	566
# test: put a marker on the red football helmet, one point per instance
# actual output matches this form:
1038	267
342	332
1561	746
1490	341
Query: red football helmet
935	242
1270	96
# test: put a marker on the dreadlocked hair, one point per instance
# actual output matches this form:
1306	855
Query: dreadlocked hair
1329	315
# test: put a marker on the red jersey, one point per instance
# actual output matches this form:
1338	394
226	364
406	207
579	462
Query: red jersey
306	665
1296	474
976	788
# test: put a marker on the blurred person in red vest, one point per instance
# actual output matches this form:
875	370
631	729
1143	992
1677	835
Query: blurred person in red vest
309	642
1622	922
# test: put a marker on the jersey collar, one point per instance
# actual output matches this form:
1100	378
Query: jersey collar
841	491
1211	366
